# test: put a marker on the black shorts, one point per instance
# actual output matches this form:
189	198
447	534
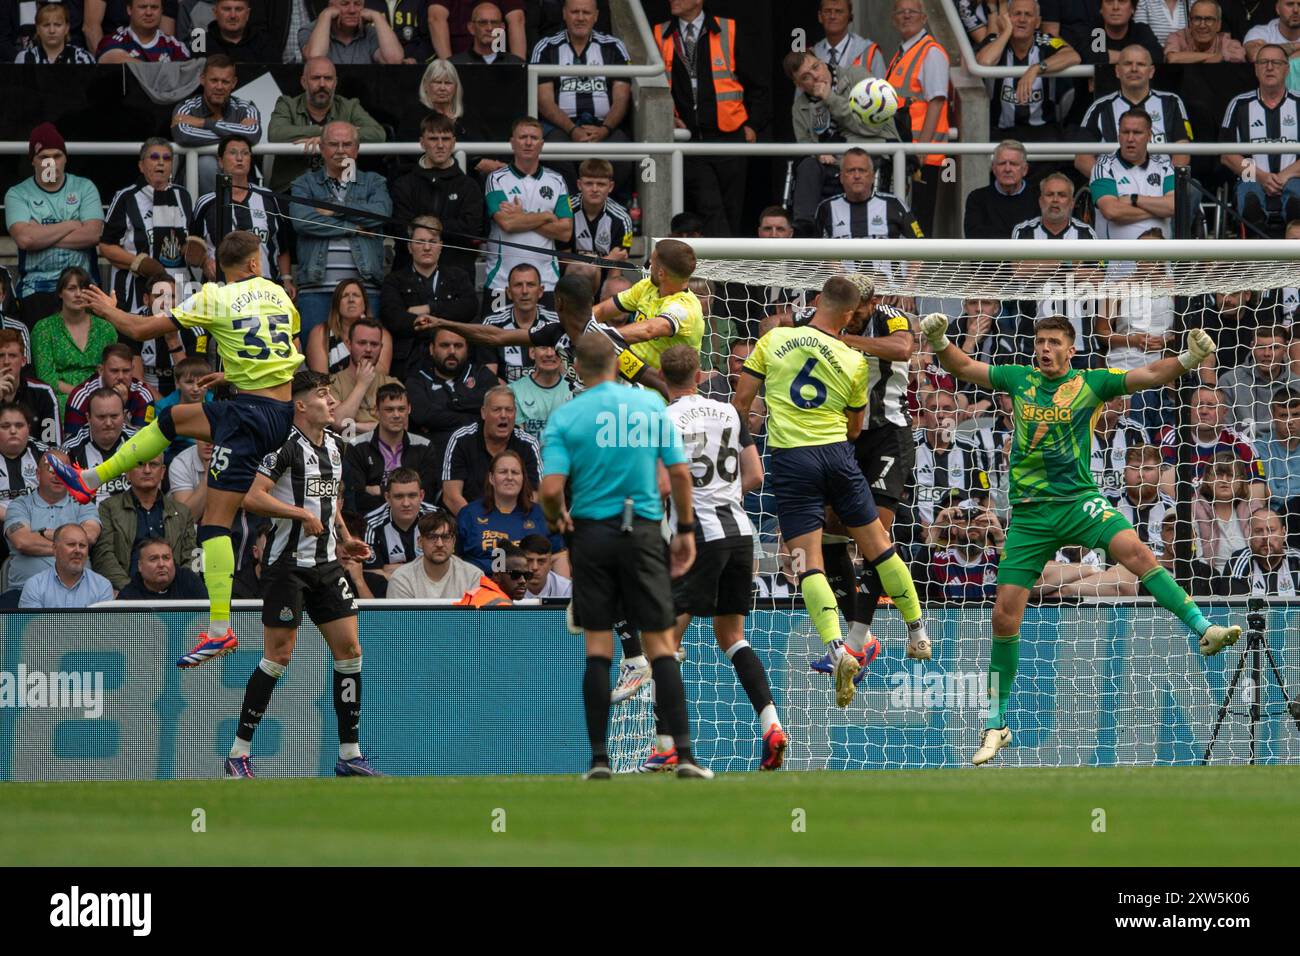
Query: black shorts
245	429
323	592
619	576
805	480
886	456
721	581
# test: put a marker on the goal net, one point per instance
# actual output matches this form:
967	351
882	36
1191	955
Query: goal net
1207	470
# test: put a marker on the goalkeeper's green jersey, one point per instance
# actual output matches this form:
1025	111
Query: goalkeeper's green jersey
1052	427
254	323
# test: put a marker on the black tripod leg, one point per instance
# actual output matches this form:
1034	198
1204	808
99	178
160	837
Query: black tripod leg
1257	692
1281	685
1223	710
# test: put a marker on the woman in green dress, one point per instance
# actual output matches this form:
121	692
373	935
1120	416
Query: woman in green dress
67	347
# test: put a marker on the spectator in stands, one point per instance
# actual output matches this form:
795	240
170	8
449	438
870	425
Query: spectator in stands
157	576
103	18
506	512
327	344
35	398
115	367
330	247
748	305
451	23
437	573
919	72
720	386
509	581
528	205
1282	31
1025	108
1169	122
470	451
1139	498
842	47
350	33
214	113
150	229
1202	575
144	38
229	34
247	583
1162	16
1133	189
102	436
141	511
946	463
1203	40
438	188
1249	388
409	20
601	227
523	311
966	537
354	386
1280	449
29	525
719	97
51	41
441	92
391	531
862	211
189	374
541	391
1272	186
60	361
447	391
1266	566
1222	509
543	580
368	461
301	119
18	456
994	211
1114	433
187	476
1119	30
69	584
984	333
684	225
488	39
55	220
252	209
9	313
1210	438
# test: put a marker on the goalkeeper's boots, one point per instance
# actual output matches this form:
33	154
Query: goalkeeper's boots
70	475
659	761
208	648
355	767
846	669
870	650
994	740
693	771
1217	637
774	744
631	676
239	768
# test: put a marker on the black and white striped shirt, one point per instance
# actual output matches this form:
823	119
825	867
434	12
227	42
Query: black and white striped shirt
85	454
714	436
70	54
882	216
580	97
1005	111
1245	573
611	229
1248	120
260	213
389	544
1169	120
1108	459
18	474
886	380
307	476
155	223
1034	229
1146	519
965	466
512	361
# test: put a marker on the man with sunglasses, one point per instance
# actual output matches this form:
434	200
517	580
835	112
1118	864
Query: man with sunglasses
1268	181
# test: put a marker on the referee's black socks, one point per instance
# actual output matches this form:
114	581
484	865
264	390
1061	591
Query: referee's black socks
670	695
595	701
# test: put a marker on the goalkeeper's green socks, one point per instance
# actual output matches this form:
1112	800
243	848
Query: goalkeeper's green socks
145	445
1162	586
819	599
1004	661
218	575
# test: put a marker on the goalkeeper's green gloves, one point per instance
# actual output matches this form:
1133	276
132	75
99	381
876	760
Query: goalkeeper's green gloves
935	328
1199	347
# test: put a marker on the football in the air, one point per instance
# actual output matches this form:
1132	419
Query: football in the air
874	101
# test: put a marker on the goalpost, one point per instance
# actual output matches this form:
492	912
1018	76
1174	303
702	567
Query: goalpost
1106	676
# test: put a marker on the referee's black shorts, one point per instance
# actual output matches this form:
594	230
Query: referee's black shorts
721	581
618	575
886	456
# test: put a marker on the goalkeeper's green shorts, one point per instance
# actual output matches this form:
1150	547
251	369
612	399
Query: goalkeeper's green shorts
1039	529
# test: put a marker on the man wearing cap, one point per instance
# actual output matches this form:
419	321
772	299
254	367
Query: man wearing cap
55	220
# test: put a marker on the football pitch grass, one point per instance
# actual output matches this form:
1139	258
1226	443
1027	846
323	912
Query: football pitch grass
1152	816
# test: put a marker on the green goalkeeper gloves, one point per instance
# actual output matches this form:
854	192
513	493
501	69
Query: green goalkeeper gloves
935	328
1199	347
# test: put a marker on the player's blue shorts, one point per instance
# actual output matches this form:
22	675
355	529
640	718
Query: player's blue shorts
805	480
245	429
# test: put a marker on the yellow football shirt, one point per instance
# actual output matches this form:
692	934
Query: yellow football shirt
254	323
682	309
811	379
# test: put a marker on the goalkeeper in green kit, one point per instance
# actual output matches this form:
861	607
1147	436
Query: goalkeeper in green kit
1054	500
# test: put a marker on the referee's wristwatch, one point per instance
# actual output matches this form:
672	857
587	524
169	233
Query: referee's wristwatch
686	527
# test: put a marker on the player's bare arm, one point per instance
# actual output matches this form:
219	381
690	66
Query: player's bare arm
139	327
609	312
1163	371
260	501
349	546
482	334
656	328
855	420
751	469
552	500
650	378
682	547
935	328
895	347
747	385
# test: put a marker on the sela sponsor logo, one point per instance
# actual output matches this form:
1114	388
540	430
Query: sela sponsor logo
56	690
78	909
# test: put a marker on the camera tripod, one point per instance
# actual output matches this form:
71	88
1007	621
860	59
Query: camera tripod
1256	649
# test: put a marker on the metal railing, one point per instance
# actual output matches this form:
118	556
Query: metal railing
974	68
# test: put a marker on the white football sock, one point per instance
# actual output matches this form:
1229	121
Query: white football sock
349	751
241	748
768	718
857	637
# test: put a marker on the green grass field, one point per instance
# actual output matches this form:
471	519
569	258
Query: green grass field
1153	816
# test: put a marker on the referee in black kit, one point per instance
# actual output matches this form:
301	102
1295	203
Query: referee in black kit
606	443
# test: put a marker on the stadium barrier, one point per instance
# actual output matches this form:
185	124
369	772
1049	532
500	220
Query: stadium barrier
459	691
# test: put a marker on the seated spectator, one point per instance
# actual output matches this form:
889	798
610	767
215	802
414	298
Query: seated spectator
247	584
142	38
51	42
327	344
601	227
105	17
1210	438
507	512
302	119
214	113
1222	509
1169	122
1055	219
230	34
35	398
543	580
1119	29
994	211
720	386
141	511
946	463
987	335
1024	108
862	211
9	320
29	525
69	583
1231	319
390	529
409	20
1203	40
452	26
18	455
330	248
488	40
252	209
347	32
55	220
437	573
967	538
157	577
153	360
1268	182
57	357
1133	189
842	47
1266	567
470	451
437	188
541	391
190	373
430	288
1249	388
103	435
447	391
1282	31
187	476
1139	498
1162	16
509	582
1203	577
1115	432
354	386
369	461
441	93
1280	450
114	372
748	305
524	293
